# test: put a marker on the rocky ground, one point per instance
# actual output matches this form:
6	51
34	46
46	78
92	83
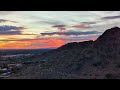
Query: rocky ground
98	59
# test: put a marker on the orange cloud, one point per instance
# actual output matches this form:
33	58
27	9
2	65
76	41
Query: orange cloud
32	44
35	43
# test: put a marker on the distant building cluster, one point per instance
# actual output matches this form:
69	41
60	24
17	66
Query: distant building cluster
18	56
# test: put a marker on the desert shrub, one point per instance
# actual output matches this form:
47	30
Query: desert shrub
109	76
78	66
47	65
15	70
90	52
97	64
118	66
103	56
90	74
85	74
69	65
96	75
119	52
1	72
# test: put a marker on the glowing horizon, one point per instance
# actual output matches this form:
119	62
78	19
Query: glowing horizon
52	29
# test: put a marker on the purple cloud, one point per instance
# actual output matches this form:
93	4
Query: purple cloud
71	33
111	17
88	23
60	27
10	29
82	25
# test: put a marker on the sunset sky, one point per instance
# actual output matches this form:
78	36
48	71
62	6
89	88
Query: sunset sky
51	29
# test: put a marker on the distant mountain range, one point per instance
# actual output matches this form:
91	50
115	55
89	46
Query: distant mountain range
23	51
99	59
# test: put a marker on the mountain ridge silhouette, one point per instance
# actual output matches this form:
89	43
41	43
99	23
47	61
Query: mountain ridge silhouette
99	59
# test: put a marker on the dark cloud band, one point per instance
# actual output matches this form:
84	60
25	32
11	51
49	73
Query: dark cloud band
111	17
71	33
4	20
10	30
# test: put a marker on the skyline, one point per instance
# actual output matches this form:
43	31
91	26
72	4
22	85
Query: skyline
52	29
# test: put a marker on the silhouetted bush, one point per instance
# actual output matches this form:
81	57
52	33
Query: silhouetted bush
118	66
90	74
85	74
109	76
97	64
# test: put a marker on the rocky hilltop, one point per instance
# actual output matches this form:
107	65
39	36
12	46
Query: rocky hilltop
99	59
